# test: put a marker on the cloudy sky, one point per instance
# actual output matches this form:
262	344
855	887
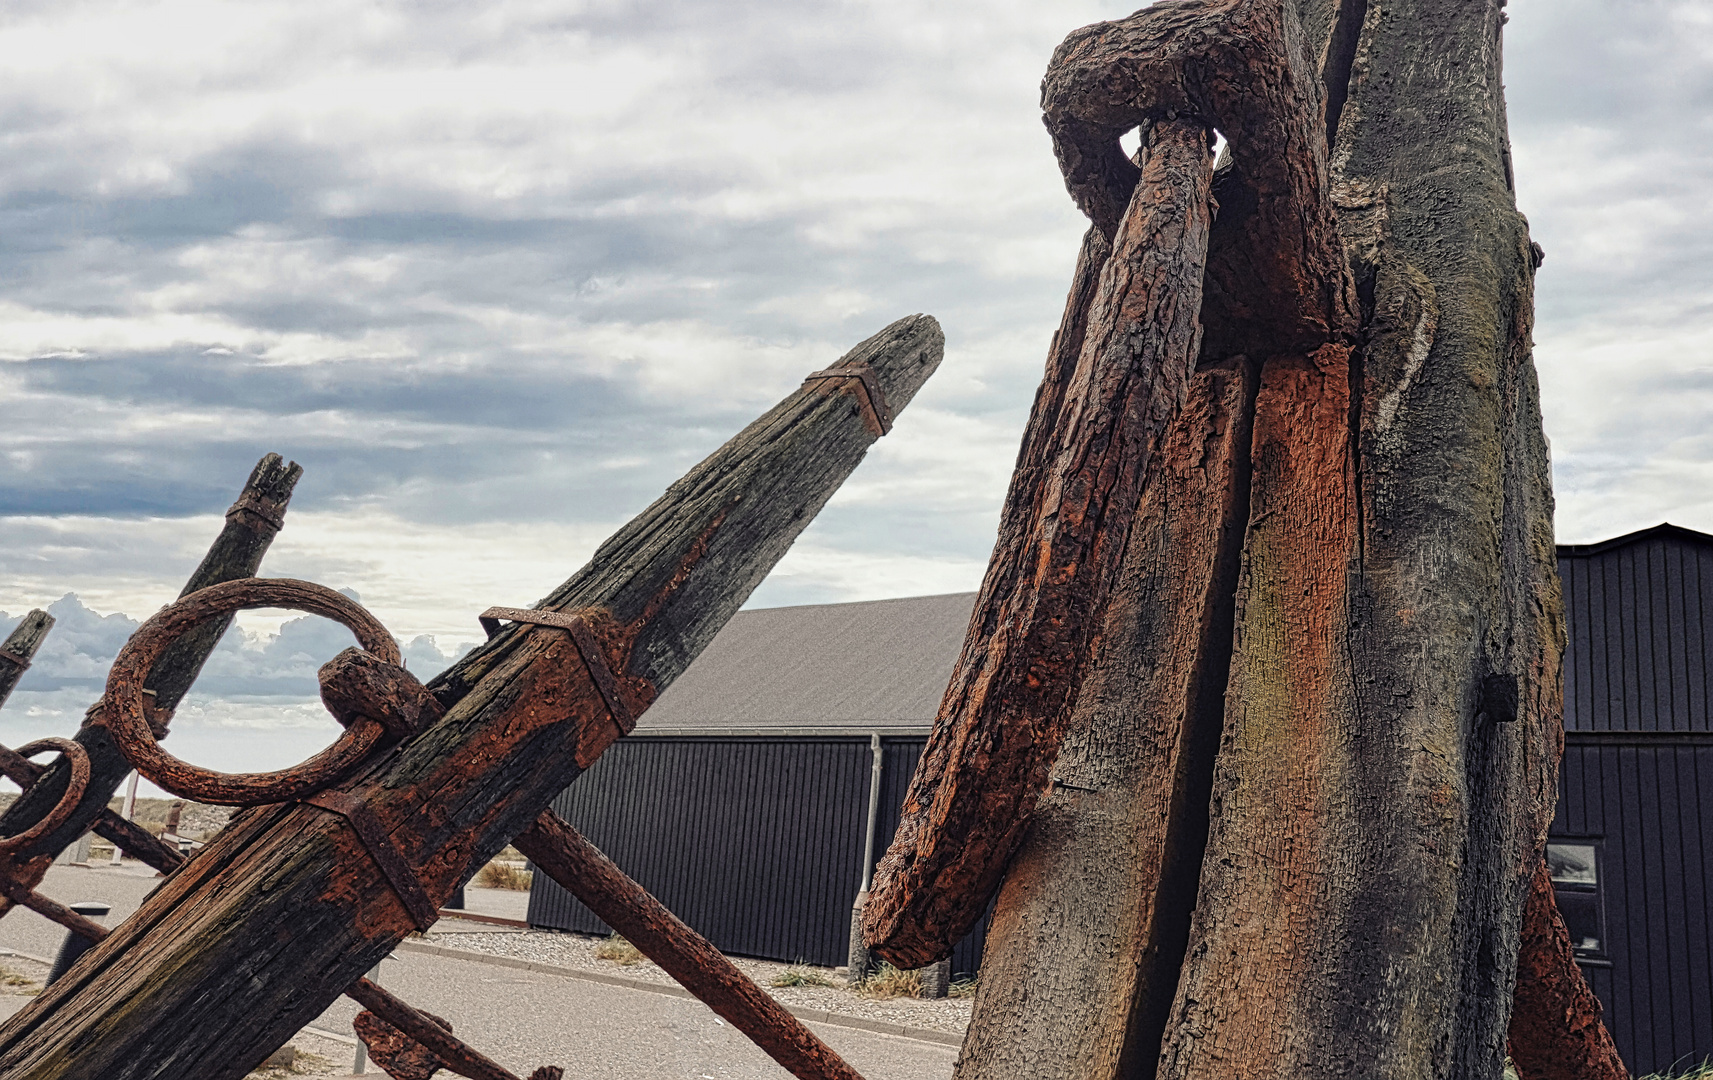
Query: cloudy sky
496	273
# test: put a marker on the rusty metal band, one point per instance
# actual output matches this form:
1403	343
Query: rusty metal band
587	646
16	659
874	397
270	512
393	865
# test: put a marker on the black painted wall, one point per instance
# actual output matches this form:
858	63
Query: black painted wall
755	842
1637	780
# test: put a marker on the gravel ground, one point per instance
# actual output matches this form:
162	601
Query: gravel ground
950	1015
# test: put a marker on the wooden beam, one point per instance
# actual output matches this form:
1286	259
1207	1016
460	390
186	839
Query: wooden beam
20	648
250	940
1062	541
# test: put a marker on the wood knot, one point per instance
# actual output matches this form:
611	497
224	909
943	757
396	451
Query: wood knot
357	684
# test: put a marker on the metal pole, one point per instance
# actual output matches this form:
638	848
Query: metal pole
75	945
858	959
360	1065
879	764
129	814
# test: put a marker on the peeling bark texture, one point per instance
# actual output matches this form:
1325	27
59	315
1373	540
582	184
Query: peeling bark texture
1556	1033
1376	816
1065	529
1089	932
255	518
1389	729
284	910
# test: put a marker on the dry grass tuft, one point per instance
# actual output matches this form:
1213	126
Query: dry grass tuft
303	1063
889	982
619	951
801	976
1703	1071
504	875
964	988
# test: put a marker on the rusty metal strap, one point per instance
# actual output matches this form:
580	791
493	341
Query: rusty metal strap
874	397
268	512
17	659
393	865
587	646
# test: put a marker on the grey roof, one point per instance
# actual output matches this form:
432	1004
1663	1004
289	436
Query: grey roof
820	669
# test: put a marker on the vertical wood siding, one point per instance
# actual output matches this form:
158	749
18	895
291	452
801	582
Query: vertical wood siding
1656	840
1638	775
1638	616
755	842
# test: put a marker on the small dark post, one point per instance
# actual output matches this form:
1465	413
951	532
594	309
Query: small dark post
937	979
75	945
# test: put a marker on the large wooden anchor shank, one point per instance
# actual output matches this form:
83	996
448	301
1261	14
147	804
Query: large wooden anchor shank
295	900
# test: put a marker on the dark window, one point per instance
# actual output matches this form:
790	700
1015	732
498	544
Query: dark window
1575	868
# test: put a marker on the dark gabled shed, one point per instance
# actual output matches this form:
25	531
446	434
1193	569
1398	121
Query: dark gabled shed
1630	844
742	800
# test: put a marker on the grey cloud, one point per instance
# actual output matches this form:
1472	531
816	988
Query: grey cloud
244	667
469	342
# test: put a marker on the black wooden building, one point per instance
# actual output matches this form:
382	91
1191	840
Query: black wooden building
1632	845
742	800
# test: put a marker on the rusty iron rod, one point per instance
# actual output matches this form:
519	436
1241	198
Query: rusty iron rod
23	895
453	1052
562	853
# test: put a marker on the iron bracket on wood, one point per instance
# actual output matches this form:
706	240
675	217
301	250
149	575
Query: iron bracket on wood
264	513
17	660
393	865
875	407
587	647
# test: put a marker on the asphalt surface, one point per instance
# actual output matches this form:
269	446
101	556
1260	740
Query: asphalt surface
523	1019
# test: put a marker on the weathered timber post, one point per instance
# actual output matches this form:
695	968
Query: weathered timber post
1306	759
1117	373
284	909
20	648
251	524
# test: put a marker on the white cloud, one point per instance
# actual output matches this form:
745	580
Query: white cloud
496	274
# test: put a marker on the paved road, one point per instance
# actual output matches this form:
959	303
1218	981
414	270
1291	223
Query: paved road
122	887
523	1019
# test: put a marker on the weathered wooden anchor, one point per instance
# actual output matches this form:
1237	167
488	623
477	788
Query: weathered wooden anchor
336	860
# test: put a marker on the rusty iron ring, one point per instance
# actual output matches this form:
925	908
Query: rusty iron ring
74	789
123	715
